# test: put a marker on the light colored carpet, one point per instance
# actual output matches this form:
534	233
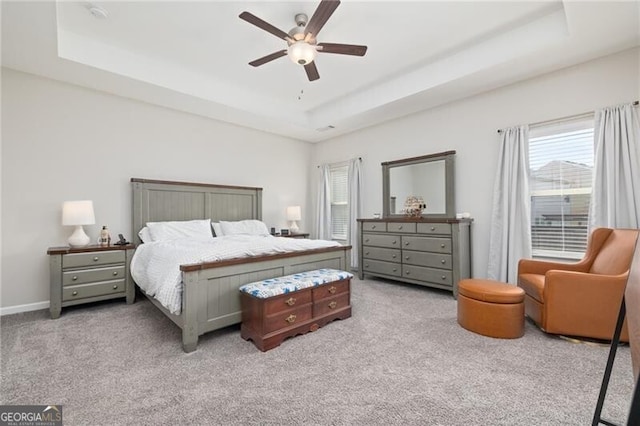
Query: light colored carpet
401	359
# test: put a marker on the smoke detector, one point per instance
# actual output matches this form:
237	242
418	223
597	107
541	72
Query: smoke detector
97	11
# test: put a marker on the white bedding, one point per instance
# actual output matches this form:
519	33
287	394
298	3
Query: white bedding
155	266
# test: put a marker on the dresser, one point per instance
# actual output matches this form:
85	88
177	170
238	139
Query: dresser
89	274
429	252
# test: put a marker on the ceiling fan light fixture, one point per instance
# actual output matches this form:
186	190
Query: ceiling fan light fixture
301	52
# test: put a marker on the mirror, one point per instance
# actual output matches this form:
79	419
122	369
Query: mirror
428	178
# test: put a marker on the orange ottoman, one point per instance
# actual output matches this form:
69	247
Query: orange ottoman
491	308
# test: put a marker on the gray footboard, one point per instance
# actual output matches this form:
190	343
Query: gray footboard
211	299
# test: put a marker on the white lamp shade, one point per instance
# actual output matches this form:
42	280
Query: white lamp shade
301	52
294	213
78	213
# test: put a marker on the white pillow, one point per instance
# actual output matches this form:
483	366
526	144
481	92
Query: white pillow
145	235
246	227
217	229
196	229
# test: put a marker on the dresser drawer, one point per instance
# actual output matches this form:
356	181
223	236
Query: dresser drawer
374	226
380	240
378	267
287	301
90	290
434	228
288	318
421	258
78	260
332	289
433	244
438	276
330	304
390	255
92	275
401	227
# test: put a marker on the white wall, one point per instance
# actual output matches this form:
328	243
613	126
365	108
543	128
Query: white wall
469	127
62	142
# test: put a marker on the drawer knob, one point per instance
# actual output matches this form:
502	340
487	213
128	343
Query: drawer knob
394	242
332	289
395	269
407	257
367	253
115	273
433	228
441	245
366	241
366	265
443	261
74	278
406	243
373	227
400	227
333	304
290	319
75	293
290	301
393	257
95	259
444	277
115	287
407	272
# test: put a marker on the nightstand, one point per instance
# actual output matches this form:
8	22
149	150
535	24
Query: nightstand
297	235
89	274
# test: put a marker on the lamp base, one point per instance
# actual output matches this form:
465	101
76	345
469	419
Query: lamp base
294	227
79	238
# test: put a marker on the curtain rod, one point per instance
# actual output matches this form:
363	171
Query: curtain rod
569	117
340	162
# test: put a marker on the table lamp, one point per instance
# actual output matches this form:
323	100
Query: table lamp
293	214
78	213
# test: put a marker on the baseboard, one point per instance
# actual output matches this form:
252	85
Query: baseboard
24	308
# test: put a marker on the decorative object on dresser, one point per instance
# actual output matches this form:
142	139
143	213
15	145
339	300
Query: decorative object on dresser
78	213
89	274
294	214
282	307
428	246
296	235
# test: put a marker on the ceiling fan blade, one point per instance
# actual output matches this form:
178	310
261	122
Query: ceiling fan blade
321	16
312	71
268	58
342	49
252	19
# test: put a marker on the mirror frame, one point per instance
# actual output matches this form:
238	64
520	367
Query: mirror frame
448	157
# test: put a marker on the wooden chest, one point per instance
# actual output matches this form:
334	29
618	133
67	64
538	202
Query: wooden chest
268	321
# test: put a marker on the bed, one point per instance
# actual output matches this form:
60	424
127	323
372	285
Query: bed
210	296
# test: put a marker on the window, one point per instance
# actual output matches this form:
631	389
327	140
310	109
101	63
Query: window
339	202
560	171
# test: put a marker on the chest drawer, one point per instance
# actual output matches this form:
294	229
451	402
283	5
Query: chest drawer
288	318
287	301
389	255
434	228
92	275
432	244
380	267
438	276
330	304
331	289
91	290
79	260
374	226
392	241
422	258
401	227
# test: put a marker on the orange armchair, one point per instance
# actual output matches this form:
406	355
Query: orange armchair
581	299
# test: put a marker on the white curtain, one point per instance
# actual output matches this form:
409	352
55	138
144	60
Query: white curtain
511	219
323	219
615	202
354	177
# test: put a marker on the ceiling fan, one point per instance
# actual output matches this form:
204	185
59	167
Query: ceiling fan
302	39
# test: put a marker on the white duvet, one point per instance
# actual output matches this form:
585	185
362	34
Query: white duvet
155	266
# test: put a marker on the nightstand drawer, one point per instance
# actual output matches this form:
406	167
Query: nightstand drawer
91	290
77	260
92	275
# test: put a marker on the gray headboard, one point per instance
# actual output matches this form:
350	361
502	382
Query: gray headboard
158	200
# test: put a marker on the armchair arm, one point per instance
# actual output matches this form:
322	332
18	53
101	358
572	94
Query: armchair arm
540	267
583	304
